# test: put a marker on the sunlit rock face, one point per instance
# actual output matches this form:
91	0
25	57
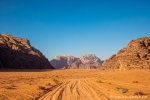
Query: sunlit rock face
17	53
135	56
88	61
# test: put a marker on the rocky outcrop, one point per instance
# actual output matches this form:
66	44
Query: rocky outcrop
17	53
64	61
135	56
88	61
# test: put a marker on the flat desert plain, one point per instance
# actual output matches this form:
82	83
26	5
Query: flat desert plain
71	84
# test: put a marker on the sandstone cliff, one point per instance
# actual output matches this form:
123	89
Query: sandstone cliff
135	56
17	53
88	61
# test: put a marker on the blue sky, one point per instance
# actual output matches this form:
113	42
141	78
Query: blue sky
76	27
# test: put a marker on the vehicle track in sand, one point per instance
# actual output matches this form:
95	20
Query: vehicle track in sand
75	89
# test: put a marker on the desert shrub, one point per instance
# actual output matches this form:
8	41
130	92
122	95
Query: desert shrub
29	83
9	87
99	81
42	87
55	80
31	80
122	89
139	93
57	76
48	84
2	98
135	82
12	86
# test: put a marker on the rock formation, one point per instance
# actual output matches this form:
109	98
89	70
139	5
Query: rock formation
135	56
88	61
17	53
63	61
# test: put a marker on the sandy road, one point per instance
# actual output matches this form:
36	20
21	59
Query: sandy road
75	89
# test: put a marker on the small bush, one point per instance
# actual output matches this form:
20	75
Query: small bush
9	87
57	76
99	81
2	98
42	87
12	86
29	83
122	89
56	81
48	84
135	82
139	93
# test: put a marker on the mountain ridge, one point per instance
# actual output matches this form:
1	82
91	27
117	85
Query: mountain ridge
87	61
17	53
136	55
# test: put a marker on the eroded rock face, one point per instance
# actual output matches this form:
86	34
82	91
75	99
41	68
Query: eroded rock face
17	52
63	61
88	61
135	56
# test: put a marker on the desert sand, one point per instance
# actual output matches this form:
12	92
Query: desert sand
71	84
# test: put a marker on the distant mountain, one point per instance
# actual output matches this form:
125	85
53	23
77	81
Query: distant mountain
135	56
17	53
63	61
88	61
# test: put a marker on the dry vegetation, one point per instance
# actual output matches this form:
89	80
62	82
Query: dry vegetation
92	84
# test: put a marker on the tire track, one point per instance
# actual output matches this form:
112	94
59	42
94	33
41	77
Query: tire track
54	92
98	90
75	89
